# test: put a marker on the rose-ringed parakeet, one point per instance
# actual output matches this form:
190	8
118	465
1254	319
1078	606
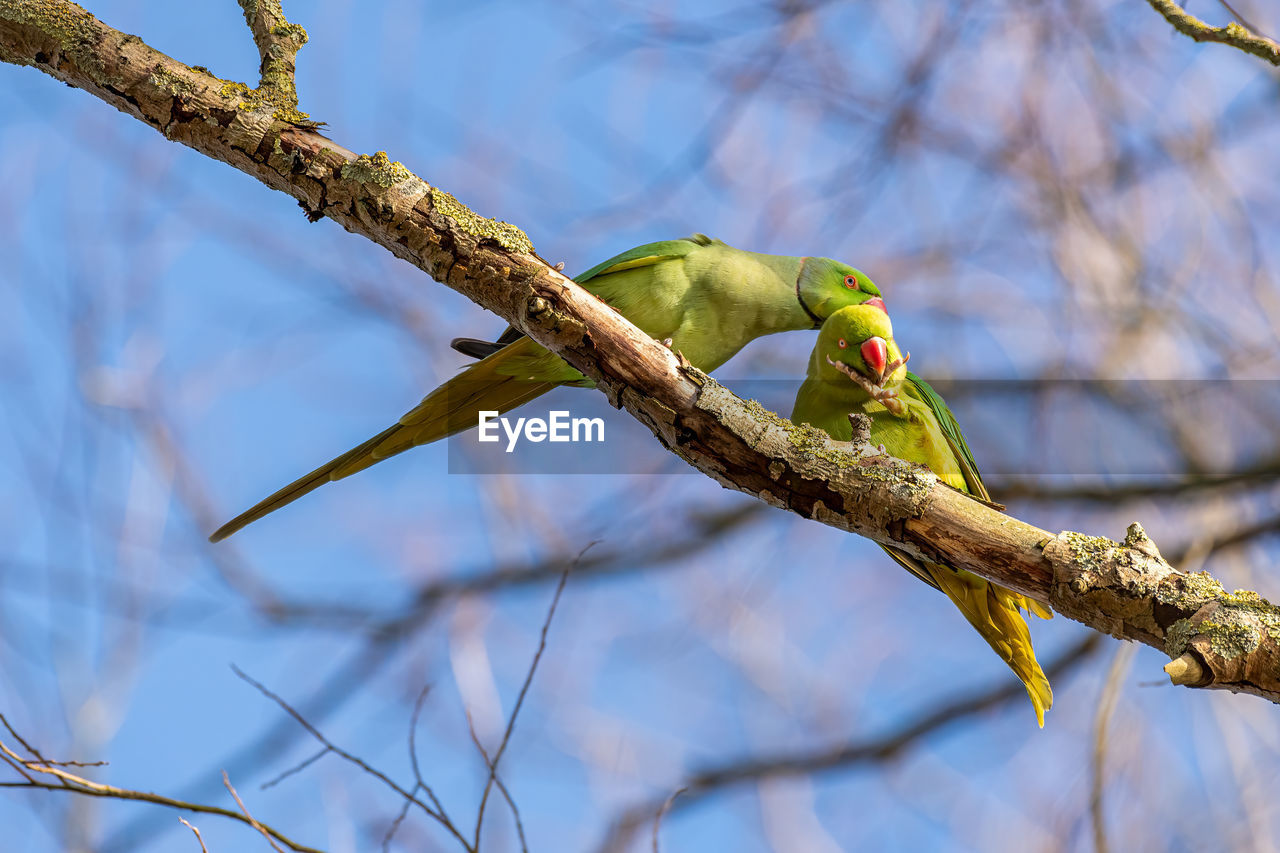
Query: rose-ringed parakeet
857	367
703	298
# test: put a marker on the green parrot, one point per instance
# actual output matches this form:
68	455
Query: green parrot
701	297
857	367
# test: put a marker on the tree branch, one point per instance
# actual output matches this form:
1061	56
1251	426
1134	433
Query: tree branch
1124	589
278	44
226	782
711	780
1234	34
437	814
74	784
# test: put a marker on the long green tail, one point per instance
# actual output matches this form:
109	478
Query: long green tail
509	378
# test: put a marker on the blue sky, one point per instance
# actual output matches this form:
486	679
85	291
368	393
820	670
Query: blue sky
176	340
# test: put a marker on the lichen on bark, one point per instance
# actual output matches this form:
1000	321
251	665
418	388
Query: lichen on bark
74	29
377	169
504	234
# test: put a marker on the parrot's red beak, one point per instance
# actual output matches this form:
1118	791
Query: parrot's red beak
877	302
876	354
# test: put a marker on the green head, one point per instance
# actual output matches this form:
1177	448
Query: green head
825	286
856	348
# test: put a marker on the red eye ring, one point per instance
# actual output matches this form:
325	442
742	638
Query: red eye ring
842	343
851	282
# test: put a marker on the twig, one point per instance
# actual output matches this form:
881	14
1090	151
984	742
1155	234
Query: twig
71	783
413	746
278	44
662	812
1043	490
226	781
191	827
28	747
497	781
515	711
1106	707
1241	18
420	784
297	768
707	527
1233	34
399	819
439	816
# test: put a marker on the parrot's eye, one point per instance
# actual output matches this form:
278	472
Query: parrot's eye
851	282
842	343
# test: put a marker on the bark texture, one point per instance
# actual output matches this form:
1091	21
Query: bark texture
1236	34
1125	589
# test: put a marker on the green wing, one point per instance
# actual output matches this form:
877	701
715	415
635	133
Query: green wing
641	256
646	255
920	389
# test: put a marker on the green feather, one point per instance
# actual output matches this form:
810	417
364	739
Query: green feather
709	298
917	426
641	256
647	255
923	391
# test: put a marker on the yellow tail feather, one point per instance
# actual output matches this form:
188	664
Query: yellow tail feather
994	612
498	383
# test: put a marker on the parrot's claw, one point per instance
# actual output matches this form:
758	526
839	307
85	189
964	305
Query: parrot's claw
887	397
857	378
667	342
895	364
559	267
895	407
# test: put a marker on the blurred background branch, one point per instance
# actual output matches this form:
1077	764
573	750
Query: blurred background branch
35	769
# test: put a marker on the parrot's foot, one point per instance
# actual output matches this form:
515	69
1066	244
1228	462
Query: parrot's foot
667	342
895	364
559	267
887	397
